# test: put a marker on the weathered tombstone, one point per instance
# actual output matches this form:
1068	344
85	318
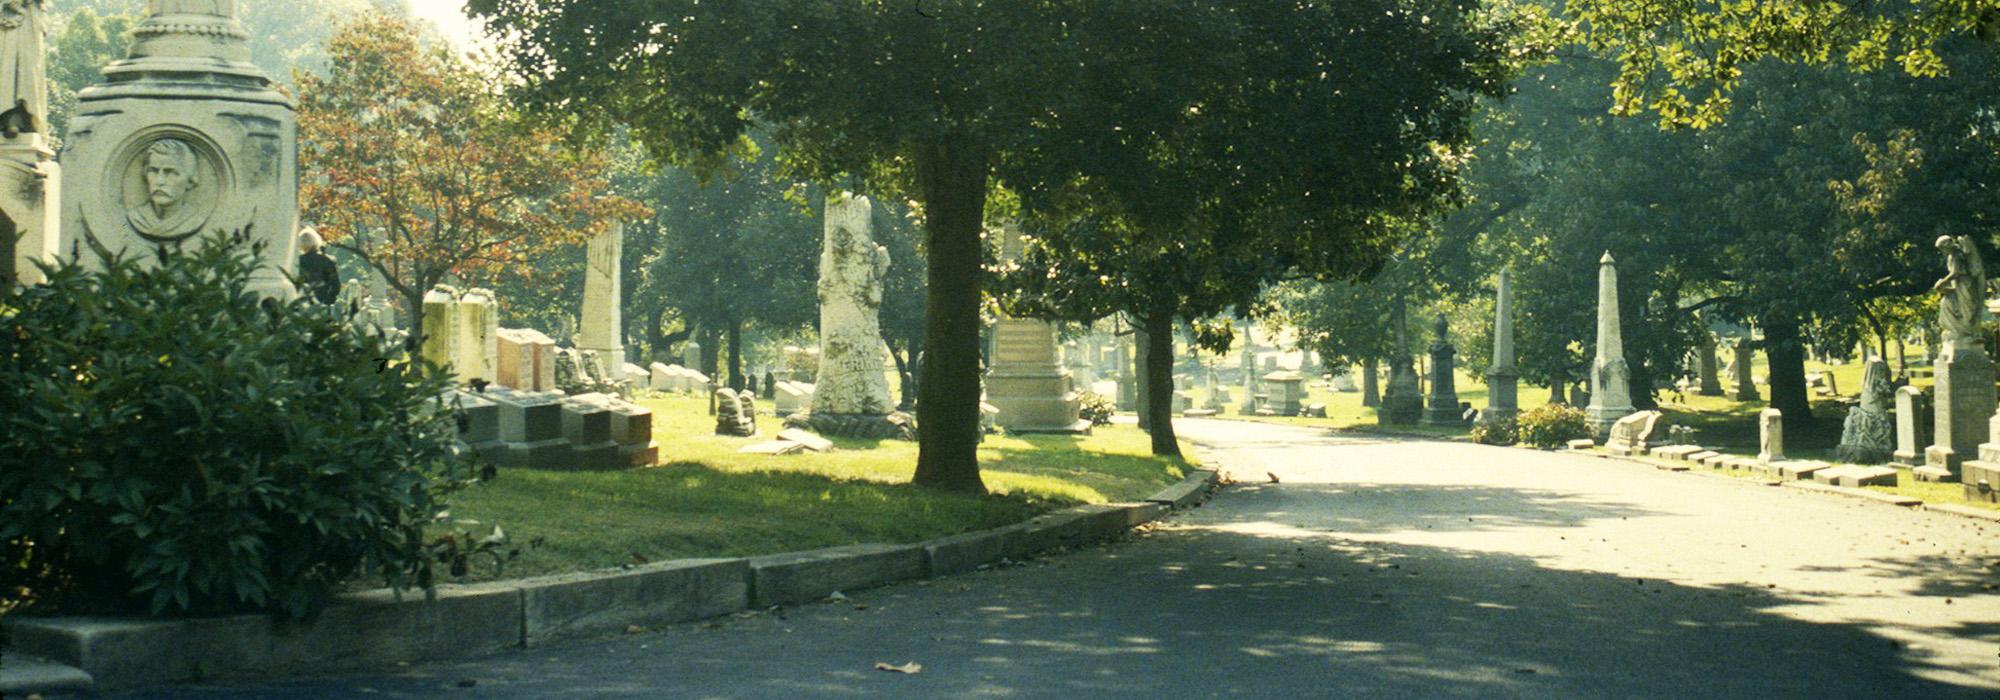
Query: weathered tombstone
1635	434
1770	436
1287	392
478	329
1711	381
441	331
1031	388
30	188
481	428
1866	435
602	320
1402	399
531	429
638	376
691	354
1746	382
186	137
587	427
1248	365
1610	378
1913	426
792	397
661	376
770	386
851	389
732	416
1964	389
1443	408
1502	381
525	359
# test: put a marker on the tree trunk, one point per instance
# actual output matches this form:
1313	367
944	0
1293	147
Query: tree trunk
1556	394
1642	385
415	340
1141	350
1787	358
905	383
1160	383
656	340
1371	389
735	355
951	174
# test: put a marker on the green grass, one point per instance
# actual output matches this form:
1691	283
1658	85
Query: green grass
706	499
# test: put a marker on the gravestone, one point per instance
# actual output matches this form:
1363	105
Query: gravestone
31	183
480	429
732	417
1913	426
1502	380
1770	436
1636	434
185	137
638	376
1402	401
1867	436
1026	382
1964	391
1711	381
600	329
851	396
441	333
587	427
1443	408
1248	366
1610	378
792	397
1287	392
1746	383
770	386
691	354
525	359
531	429
478	329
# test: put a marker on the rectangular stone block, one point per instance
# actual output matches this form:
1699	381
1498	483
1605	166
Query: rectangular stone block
1582	444
1796	470
582	605
527	417
1702	456
800	577
1981	481
962	553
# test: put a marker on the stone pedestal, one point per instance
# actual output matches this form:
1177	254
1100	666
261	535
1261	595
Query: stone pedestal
1913	426
30	206
1981	477
1402	401
601	327
1771	436
1964	402
477	346
1711	380
185	138
1746	382
1443	406
1287	392
1502	384
1031	390
531	429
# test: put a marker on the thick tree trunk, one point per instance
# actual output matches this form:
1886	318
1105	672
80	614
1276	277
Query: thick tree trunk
415	303
1787	358
1141	350
1556	393
951	173
736	355
1642	385
1371	389
1160	383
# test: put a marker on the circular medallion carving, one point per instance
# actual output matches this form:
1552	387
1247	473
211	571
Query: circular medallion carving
168	184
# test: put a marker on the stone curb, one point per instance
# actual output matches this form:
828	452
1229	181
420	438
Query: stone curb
1889	498
1965	511
1188	492
374	629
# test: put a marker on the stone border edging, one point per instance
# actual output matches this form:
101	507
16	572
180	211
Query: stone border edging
375	628
1908	502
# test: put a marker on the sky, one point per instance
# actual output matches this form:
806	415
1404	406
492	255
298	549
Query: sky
449	16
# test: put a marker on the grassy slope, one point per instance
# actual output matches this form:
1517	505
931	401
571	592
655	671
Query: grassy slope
707	499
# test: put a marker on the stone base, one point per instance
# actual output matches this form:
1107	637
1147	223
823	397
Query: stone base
1601	418
544	454
1855	477
1982	481
1907	459
1452	416
1492	415
602	455
1400	410
865	426
1941	465
640	455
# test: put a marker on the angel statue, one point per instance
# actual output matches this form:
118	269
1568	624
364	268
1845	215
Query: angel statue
1962	303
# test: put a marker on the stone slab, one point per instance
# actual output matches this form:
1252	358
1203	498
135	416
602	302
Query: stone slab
1679	452
365	630
1889	498
1703	456
962	553
799	577
810	440
1798	469
1966	511
1671	466
774	447
1981	480
1582	444
1188	492
1856	476
1933	474
21	676
583	605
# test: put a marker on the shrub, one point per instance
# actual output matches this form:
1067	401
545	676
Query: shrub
1553	425
1500	432
1096	408
170	440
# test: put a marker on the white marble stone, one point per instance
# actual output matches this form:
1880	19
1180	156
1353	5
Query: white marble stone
1610	378
477	347
601	327
851	270
30	180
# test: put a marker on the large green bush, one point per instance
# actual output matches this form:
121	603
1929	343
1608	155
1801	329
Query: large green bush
1553	425
169	440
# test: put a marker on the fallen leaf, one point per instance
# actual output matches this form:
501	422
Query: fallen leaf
860	606
909	668
634	629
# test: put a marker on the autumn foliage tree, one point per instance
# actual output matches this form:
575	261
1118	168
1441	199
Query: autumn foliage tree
417	167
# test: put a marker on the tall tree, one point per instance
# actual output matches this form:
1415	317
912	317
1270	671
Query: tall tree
414	165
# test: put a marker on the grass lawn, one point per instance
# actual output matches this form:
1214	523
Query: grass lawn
706	499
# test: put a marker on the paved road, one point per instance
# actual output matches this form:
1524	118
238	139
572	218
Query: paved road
1376	568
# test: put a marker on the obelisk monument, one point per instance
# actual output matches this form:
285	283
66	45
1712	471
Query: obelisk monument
1610	378
1502	380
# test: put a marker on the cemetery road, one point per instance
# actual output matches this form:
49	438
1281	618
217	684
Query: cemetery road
1374	567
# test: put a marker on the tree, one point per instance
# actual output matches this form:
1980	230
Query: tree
86	42
414	166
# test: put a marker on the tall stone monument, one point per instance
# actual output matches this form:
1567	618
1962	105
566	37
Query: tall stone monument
601	329
1867	436
185	138
1402	399
1610	379
1964	390
851	394
1711	380
30	181
1443	408
1502	380
1746	381
1027	381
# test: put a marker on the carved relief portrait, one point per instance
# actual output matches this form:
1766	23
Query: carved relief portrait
174	192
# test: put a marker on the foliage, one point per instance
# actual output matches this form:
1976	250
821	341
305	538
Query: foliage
284	36
1683	60
169	439
1553	425
1096	408
1500	432
85	43
413	164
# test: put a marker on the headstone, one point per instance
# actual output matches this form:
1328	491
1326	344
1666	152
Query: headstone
480	429
531	429
1711	381
770	386
638	376
1248	365
1636	434
1287	392
587	427
31	183
1343	382
1610	378
1443	408
1770	436
602	321
1028	384
1502	380
525	359
731	418
185	137
441	328
1964	398
1746	382
478	327
1913	426
851	381
691	354
1867	436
